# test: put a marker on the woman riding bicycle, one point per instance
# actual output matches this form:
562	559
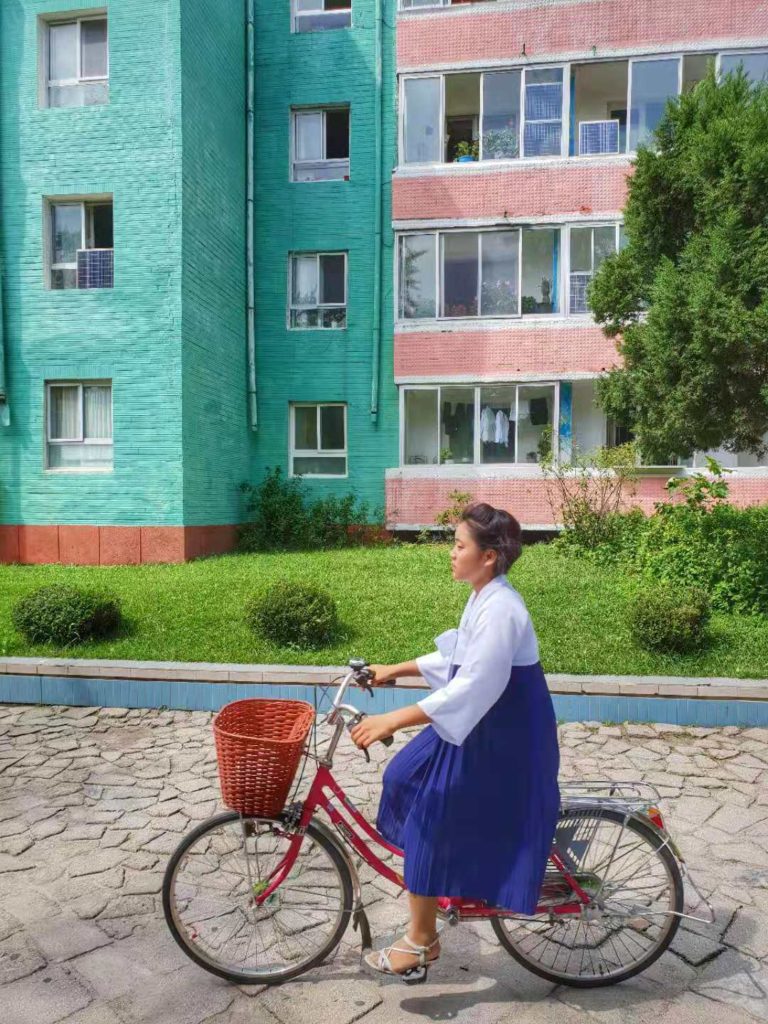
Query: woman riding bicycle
472	800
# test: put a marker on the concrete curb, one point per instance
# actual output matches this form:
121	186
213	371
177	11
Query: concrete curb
213	672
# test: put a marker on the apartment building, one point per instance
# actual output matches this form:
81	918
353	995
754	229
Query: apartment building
517	125
195	267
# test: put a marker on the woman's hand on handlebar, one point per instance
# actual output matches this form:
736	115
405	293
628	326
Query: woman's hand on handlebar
371	729
381	674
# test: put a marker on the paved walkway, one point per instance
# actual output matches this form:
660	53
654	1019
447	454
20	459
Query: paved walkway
93	801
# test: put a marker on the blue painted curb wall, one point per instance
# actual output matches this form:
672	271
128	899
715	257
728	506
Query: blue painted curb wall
202	696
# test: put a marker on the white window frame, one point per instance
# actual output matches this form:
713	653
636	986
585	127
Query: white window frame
476	442
566	257
59	20
80	439
86	232
318	305
340	163
756	51
296	17
563	281
335	453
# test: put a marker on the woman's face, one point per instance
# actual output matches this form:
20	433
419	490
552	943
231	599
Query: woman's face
469	562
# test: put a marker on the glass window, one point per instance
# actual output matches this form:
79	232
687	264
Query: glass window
418	283
321	144
319	442
462	117
543	112
422	120
589	247
318	290
460	273
93	48
421	427
501	115
497	423
81	245
77	63
457	425
755	65
500	291
79	426
319	15
535	413
540	270
652	83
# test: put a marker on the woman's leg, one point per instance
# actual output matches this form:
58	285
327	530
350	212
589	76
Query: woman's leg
422	930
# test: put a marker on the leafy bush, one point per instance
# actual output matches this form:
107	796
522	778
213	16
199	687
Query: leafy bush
294	615
671	620
65	615
588	492
723	550
280	518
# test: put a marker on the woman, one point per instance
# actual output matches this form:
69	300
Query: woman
472	800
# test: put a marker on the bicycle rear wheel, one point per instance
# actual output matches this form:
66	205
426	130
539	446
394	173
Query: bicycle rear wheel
637	887
208	902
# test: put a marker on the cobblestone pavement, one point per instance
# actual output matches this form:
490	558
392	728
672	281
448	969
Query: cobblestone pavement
93	801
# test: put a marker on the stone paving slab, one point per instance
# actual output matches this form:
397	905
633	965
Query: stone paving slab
92	801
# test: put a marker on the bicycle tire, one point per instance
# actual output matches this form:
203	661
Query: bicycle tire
253	977
670	861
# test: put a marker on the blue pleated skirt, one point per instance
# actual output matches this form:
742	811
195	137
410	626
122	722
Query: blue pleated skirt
477	820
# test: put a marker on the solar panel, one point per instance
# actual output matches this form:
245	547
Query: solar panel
598	137
95	268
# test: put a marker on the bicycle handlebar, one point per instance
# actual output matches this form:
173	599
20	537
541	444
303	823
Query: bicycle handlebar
360	675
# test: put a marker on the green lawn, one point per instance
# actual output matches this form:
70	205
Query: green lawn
392	600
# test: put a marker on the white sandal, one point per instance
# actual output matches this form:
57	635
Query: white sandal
379	961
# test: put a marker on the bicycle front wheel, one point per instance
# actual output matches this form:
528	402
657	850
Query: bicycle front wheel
208	899
636	887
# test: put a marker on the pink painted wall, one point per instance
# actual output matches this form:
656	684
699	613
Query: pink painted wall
445	38
514	350
563	189
417	501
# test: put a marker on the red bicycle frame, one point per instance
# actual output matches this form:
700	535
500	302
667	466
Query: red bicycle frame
324	787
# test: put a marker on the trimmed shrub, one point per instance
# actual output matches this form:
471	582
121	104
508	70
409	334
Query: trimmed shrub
65	615
670	620
294	615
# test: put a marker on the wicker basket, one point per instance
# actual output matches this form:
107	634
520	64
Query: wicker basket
259	744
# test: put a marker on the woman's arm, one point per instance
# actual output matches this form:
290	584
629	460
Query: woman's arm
378	727
388	673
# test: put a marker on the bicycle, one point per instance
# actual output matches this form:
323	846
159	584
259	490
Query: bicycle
262	900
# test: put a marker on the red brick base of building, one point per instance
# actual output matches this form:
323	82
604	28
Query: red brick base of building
112	545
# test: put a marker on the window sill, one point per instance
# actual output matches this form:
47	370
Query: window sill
555	320
77	470
518	164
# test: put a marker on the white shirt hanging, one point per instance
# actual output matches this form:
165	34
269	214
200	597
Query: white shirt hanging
487	424
501	428
494	635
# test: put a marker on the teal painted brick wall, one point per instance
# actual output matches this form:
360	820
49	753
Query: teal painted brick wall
130	148
170	148
216	436
320	68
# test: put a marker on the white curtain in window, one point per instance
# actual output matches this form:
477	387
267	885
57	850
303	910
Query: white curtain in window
304	281
309	136
65	413
62	59
97	411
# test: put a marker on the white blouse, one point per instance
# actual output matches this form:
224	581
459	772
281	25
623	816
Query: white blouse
495	634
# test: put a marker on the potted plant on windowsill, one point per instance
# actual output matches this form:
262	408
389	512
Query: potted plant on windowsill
446	457
467	152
